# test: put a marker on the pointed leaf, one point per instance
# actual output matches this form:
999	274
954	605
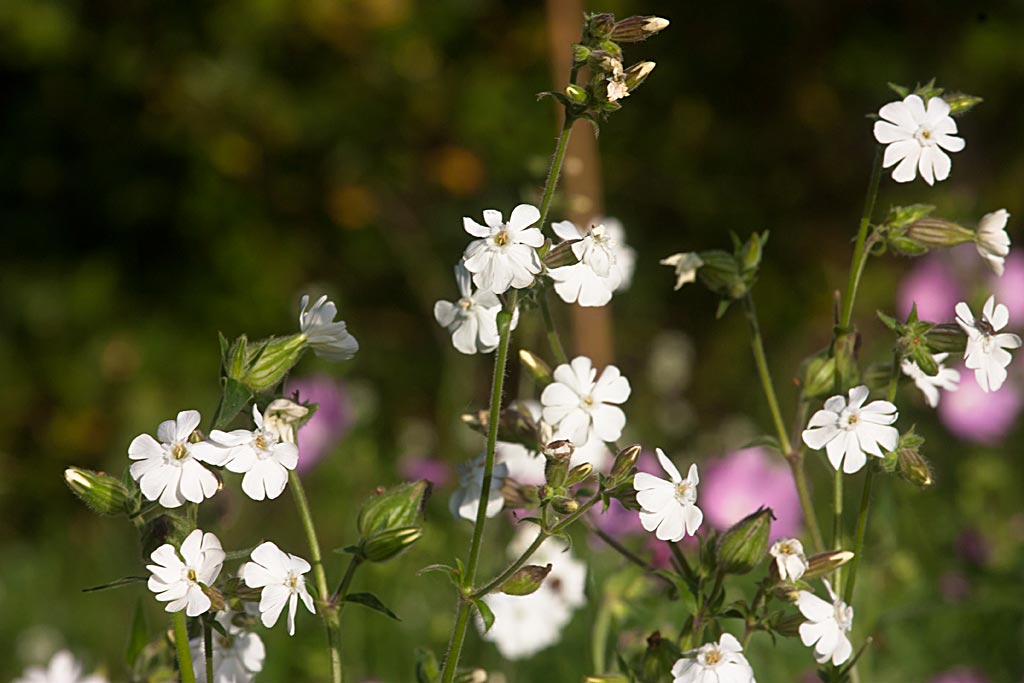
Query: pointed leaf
373	602
138	635
126	581
485	613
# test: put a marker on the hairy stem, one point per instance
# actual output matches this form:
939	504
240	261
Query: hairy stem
188	674
837	518
859	251
208	651
556	168
338	599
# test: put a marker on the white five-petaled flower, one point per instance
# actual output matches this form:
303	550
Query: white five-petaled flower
473	319
669	507
992	241
577	407
946	378
281	576
789	558
465	500
260	455
169	470
915	138
686	266
178	578
505	255
238	654
625	255
721	662
986	351
591	281
850	431
62	668
329	339
826	626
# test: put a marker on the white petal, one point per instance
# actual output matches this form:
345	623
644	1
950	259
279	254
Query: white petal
668	466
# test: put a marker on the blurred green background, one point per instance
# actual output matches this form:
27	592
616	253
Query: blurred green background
171	170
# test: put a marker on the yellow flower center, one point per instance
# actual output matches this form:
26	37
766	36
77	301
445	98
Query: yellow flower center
261	442
501	239
191	575
179	451
713	656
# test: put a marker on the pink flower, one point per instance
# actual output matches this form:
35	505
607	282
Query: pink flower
332	419
1009	289
616	521
974	415
933	286
742	481
413	468
960	674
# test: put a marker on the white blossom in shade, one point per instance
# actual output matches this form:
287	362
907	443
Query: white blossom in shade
721	662
915	138
789	558
849	432
992	241
261	455
946	378
328	338
62	668
668	507
578	404
987	352
238	654
505	255
473	319
686	266
826	626
169	470
178	577
591	281
281	576
625	255
465	500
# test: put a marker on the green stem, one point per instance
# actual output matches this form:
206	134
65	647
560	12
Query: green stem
624	551
188	674
837	517
549	324
599	637
338	599
555	169
326	611
796	466
208	651
859	252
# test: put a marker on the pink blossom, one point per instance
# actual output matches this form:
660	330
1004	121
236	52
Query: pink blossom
960	674
933	286
1009	289
974	415
739	483
413	468
332	419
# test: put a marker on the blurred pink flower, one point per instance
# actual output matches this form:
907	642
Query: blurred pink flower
960	674
332	419
413	468
1009	289
974	415
739	483
933	286
955	587
617	521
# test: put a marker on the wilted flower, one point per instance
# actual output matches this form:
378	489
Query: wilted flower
946	378
62	668
992	241
331	421
740	482
505	256
237	654
826	626
915	137
578	405
328	339
170	470
260	455
850	432
721	662
983	417
669	507
465	500
686	266
179	578
281	576
473	319
987	352
789	558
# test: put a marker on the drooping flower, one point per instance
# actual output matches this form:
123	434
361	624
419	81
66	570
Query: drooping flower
741	482
577	405
170	470
987	352
979	416
850	432
281	575
947	378
473	319
789	558
668	507
686	266
591	281
62	668
826	626
915	138
238	654
465	500
333	418
505	255
721	662
992	241
260	455
329	339
178	577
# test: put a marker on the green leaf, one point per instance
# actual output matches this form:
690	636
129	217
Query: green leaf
223	351
235	396
485	613
354	550
427	669
373	602
723	306
128	580
238	554
138	635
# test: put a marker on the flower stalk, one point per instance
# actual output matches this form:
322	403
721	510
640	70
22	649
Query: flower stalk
188	674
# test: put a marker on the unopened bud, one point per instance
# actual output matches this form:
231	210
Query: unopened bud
579	473
576	94
961	103
910	464
637	74
937	233
786	591
744	545
518	496
601	25
624	463
103	493
721	274
565	506
562	255
262	365
789	625
636	29
557	455
395	508
539	370
749	255
580	53
217	603
385	545
820	376
947	338
659	658
526	580
472	676
825	563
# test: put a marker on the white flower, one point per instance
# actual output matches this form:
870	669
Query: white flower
915	138
505	256
237	656
62	668
577	407
789	558
991	239
281	417
986	351
473	319
625	255
946	378
669	507
848	432
591	281
329	339
280	575
170	470
826	626
721	662
465	500
686	266
260	455
178	577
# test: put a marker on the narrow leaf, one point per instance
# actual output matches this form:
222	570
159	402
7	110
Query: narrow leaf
116	584
138	635
236	395
373	602
485	613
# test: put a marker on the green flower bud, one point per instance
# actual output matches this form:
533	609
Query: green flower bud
749	255
565	506
961	103
825	563
789	625
819	376
907	461
636	29
947	338
721	274
600	25
562	255
637	74
579	473
557	455
518	495
743	546
576	94
103	493
580	53
262	365
937	233
624	463
385	545
395	508
539	370
217	603
526	580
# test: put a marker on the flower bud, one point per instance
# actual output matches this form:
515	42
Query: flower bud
517	496
947	338
562	255
721	274
471	676
937	233
539	370
744	545
789	625
819	376
908	462
557	454
961	103
285	417
600	25
602	62
576	94
385	545
580	53
636	29
262	365
515	425
395	508
526	580
104	494
637	74
825	563
786	591
565	506
624	463
217	603
579	473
